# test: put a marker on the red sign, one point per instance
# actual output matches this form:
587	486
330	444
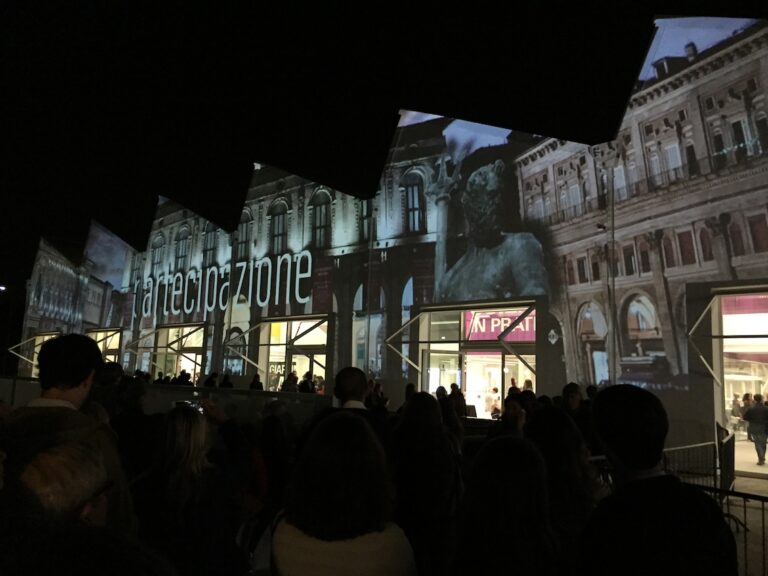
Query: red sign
486	325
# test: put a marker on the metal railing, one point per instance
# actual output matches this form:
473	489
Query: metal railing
710	466
745	514
678	176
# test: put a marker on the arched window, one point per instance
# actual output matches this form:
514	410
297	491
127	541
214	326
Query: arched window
641	318
278	230
321	220
705	239
209	245
737	240
243	250
182	248
158	251
413	184
669	252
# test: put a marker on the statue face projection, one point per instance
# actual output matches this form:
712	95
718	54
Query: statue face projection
482	204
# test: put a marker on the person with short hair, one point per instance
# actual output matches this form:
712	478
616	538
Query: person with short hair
652	523
757	418
67	366
351	387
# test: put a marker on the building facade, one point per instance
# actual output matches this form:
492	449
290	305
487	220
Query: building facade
534	261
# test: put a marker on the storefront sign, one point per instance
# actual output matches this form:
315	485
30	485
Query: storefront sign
486	325
215	287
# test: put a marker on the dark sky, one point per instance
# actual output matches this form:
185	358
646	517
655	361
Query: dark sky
106	105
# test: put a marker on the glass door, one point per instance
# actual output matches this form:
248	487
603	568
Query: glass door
484	382
443	369
516	371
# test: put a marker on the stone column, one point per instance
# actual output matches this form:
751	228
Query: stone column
719	229
440	192
664	306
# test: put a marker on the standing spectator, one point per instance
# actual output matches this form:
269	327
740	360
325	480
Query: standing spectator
256	383
757	419
307	385
652	523
226	382
348	531
211	381
186	507
458	401
746	404
504	523
67	367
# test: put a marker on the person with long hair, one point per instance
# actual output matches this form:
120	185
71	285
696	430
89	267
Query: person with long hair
428	482
185	504
504	521
347	530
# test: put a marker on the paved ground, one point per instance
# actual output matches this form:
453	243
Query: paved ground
746	461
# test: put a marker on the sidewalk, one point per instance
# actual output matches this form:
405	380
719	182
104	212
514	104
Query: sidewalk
750	477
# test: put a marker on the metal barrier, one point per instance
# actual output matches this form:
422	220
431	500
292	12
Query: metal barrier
694	464
710	467
745	513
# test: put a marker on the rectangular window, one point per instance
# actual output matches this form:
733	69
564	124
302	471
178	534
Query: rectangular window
243	240
569	273
645	260
581	265
414	208
279	234
655	169
687	249
674	163
182	249
758	230
366	212
574	193
709	103
649	129
595	268
629	260
681	115
619	183
740	141
321	225
209	248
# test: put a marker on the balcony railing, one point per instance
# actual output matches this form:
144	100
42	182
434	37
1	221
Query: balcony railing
678	176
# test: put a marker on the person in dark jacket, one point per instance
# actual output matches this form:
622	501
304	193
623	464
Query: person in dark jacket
757	418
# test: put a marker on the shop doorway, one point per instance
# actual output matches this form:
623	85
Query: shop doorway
737	324
484	351
291	345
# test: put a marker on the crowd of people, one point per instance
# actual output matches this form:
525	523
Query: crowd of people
91	484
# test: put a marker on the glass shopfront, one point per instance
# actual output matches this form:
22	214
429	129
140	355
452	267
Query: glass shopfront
483	350
744	319
292	345
108	340
171	349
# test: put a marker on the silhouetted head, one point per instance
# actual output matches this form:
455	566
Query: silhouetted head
572	396
441	392
68	361
422	412
632	424
344	452
351	384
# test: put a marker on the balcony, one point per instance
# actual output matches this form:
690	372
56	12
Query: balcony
672	179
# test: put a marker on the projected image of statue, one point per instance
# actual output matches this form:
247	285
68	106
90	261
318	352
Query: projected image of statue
496	264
